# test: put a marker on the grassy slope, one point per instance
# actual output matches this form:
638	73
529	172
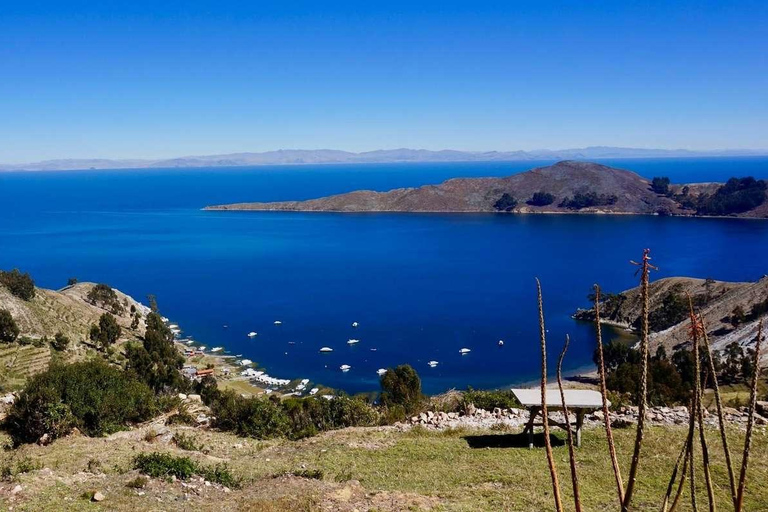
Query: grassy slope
368	469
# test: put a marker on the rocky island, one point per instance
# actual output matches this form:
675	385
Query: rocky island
565	187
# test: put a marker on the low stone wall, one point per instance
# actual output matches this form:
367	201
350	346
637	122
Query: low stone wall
622	417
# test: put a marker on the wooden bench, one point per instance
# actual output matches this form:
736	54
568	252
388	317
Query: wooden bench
579	402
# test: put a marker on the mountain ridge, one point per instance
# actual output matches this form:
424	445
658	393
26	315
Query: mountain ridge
398	155
568	186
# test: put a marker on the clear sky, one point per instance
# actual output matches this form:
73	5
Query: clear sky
81	78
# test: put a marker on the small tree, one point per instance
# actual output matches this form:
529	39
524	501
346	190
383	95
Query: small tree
104	296
9	331
60	342
541	198
506	203
737	316
660	185
71	281
107	332
21	285
402	387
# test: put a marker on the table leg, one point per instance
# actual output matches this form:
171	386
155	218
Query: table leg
529	427
579	423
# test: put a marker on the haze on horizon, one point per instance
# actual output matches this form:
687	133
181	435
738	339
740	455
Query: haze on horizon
151	81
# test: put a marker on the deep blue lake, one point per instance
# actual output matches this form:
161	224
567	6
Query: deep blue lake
421	286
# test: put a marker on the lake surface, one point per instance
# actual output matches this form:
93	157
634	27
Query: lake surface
421	286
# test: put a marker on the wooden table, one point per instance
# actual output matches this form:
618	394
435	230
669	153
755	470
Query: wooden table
579	402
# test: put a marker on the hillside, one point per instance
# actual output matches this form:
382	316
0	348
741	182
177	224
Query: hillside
716	300
572	186
66	311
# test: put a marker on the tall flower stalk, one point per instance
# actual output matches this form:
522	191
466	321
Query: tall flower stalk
571	451
645	269
604	395
750	420
544	414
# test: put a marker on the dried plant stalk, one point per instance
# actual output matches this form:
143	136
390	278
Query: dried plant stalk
720	415
545	417
682	458
695	411
645	267
750	420
571	451
604	394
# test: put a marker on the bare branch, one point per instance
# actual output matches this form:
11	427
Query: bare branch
571	452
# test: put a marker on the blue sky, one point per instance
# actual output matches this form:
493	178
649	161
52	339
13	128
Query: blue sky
160	79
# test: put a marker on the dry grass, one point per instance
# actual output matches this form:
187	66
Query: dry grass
455	470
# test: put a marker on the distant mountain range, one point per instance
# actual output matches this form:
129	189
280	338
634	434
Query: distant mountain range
331	156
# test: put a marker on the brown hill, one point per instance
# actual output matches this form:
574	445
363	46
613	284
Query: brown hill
716	301
607	189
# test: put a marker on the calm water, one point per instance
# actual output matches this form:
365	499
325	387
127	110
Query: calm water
421	286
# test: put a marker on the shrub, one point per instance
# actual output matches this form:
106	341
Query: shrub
20	285
402	386
541	198
587	199
506	203
96	398
138	483
186	442
165	465
252	417
71	281
489	400
60	342
104	296
9	331
660	185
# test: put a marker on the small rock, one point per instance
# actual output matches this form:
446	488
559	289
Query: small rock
182	396
194	398
97	496
16	489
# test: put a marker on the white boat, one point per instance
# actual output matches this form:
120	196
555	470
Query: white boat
326	349
464	351
278	322
501	343
345	367
217	349
252	334
355	324
202	349
433	363
381	371
352	341
189	342
173	326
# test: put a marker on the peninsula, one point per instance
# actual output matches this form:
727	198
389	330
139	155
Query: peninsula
565	187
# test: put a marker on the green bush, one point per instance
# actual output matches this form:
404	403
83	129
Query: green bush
107	332
186	442
96	398
489	400
541	198
60	342
294	418
9	331
165	465
586	199
506	203
736	196
402	386
20	285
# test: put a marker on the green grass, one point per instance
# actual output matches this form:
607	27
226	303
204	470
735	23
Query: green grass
455	470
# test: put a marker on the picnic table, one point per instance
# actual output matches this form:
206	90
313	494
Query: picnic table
579	402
